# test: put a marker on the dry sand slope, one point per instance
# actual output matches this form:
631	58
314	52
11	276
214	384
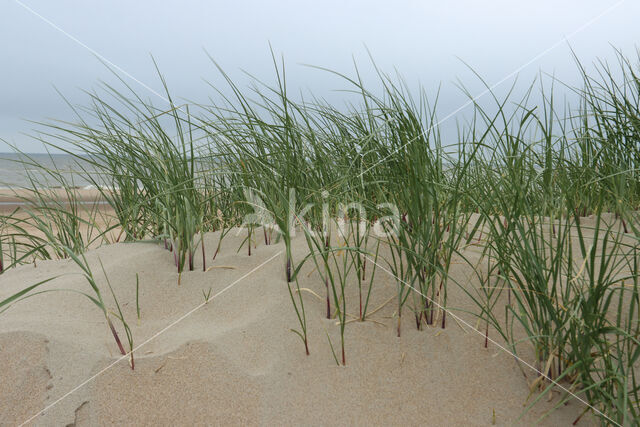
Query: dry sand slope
235	361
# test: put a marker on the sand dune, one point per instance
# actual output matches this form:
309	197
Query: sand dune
234	360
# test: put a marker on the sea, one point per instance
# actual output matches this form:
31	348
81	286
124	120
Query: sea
25	170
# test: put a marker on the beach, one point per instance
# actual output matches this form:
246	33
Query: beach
272	259
233	360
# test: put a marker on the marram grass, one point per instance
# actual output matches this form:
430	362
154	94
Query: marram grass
517	182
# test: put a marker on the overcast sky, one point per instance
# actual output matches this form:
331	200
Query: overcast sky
424	40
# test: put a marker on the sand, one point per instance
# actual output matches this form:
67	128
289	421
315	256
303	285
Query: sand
235	360
15	207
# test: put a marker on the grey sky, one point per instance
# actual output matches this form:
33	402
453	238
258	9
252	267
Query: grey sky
422	39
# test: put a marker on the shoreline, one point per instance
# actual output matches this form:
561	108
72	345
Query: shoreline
20	197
